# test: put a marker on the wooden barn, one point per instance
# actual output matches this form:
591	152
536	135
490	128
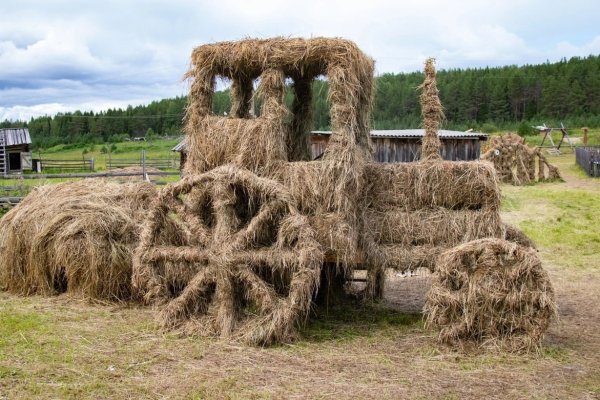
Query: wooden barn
399	145
15	155
404	145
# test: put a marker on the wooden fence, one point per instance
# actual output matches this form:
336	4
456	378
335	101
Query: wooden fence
588	158
79	165
12	194
142	161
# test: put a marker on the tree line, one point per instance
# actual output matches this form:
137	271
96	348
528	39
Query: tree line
511	97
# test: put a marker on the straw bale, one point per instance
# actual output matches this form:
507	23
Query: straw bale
448	184
75	237
493	293
433	226
410	258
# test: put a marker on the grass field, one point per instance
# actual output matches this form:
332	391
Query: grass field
64	347
159	148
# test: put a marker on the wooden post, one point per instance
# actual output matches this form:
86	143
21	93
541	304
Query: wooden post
585	136
143	164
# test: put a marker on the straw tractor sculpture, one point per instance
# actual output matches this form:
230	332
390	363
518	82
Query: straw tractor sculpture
241	246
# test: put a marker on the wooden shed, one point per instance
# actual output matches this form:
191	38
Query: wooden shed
398	145
15	154
404	145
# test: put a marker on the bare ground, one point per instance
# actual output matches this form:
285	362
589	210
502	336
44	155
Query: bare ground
66	348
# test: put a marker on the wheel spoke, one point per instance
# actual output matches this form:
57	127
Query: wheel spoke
263	295
226	317
193	300
224	211
189	254
277	259
268	212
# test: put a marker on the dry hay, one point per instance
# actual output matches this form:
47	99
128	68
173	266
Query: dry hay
276	143
493	293
270	61
416	211
432	111
245	264
453	185
514	234
517	163
268	143
75	237
235	170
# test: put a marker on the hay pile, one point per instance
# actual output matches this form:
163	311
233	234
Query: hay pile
75	237
491	292
448	203
518	164
515	235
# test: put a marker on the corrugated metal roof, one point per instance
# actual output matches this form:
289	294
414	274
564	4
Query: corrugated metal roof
417	133
180	146
16	136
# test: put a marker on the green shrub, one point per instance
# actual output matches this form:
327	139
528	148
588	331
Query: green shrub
489	128
526	129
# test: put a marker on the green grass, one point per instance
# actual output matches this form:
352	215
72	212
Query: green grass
563	221
351	321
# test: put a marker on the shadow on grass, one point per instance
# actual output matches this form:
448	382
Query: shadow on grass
354	320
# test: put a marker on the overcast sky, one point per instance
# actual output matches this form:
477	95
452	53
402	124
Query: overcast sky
91	55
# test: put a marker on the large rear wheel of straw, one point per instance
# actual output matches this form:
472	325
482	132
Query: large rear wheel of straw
226	253
491	292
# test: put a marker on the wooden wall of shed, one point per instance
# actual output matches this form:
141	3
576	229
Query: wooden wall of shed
317	145
408	150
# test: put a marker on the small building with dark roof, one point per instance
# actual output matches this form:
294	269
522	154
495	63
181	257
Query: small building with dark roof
15	153
398	145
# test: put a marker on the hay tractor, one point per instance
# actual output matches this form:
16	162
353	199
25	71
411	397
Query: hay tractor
242	245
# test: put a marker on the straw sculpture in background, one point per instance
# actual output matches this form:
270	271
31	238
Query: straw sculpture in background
518	164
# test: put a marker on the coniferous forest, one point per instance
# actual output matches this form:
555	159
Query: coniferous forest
487	99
